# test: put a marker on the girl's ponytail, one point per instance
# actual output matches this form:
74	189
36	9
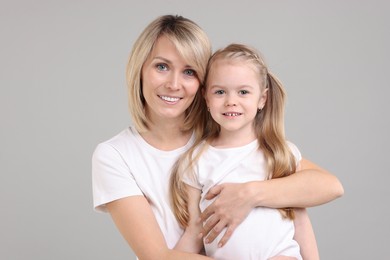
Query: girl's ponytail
270	125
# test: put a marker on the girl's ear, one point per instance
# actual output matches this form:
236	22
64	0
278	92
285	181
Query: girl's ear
205	96
263	99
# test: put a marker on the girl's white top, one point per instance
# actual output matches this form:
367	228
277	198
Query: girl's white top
264	233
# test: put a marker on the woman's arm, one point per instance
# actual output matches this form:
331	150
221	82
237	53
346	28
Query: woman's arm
191	241
310	186
135	220
304	235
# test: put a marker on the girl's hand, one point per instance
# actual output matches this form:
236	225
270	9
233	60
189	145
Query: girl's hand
231	206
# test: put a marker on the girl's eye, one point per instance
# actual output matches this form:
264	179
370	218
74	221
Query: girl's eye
243	92
219	92
162	67
190	72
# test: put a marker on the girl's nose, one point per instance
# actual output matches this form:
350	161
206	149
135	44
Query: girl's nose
230	101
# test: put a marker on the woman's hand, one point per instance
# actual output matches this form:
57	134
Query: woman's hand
310	186
282	257
231	206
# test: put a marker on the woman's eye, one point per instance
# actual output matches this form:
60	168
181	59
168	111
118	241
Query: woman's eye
162	67
189	72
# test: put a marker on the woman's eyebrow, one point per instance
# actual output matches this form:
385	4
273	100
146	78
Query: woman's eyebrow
163	59
170	62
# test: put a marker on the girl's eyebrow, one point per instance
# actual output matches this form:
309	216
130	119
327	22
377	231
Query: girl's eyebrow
237	87
215	86
247	86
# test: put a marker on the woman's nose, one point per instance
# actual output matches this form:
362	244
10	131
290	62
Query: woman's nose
174	81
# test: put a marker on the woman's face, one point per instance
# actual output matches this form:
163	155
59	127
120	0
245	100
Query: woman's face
169	83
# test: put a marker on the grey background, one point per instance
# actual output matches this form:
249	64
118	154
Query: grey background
63	91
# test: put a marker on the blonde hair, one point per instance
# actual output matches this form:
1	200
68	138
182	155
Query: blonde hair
268	125
194	46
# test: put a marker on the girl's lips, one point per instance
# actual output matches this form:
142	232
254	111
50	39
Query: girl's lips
232	114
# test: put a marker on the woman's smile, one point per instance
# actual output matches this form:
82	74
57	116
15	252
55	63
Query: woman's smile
169	83
170	100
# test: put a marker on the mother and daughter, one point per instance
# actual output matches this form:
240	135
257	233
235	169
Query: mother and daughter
205	167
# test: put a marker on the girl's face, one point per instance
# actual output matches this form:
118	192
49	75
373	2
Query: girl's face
169	84
234	95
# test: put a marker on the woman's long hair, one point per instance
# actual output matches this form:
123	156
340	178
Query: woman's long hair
193	45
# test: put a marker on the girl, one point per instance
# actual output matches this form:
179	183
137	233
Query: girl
131	171
244	142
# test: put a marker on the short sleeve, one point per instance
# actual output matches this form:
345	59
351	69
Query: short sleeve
111	177
191	178
295	151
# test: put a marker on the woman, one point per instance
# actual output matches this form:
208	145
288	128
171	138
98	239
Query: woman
131	170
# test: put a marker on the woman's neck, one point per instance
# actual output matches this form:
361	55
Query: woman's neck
166	136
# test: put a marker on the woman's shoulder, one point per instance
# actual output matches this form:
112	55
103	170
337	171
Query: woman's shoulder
120	142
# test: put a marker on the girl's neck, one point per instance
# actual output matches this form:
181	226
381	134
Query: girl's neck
231	139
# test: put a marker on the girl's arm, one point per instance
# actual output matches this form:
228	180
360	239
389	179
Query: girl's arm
304	235
310	186
135	220
191	241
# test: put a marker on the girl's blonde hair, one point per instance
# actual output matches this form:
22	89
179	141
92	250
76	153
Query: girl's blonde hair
194	46
268	125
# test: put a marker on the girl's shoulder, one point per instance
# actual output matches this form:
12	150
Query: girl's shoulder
295	151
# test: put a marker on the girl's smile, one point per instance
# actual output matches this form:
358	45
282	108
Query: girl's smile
234	96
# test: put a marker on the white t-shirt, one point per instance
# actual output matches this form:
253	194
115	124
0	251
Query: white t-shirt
264	233
126	165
